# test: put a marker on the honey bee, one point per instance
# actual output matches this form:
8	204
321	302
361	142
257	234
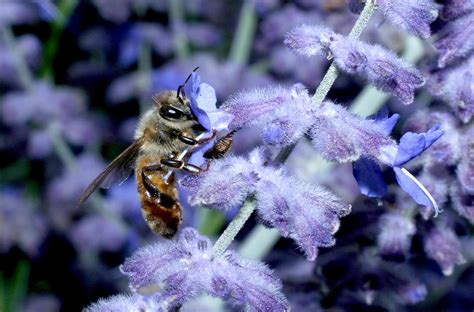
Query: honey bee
163	138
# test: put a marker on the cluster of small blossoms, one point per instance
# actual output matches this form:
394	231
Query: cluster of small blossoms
166	275
307	213
411	16
453	79
284	115
379	66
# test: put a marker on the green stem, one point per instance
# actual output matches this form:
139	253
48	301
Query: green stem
144	71
243	37
24	73
176	11
65	9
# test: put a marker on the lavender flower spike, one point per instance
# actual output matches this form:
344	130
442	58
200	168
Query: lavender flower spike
308	40
121	303
443	246
455	41
381	67
394	239
412	16
306	213
185	269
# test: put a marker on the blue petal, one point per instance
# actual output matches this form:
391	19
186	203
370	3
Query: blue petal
415	189
203	104
382	119
369	177
413	144
389	123
197	157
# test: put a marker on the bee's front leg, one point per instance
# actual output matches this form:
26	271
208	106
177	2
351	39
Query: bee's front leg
179	164
191	141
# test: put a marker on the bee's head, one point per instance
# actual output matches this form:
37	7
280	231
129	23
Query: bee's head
175	112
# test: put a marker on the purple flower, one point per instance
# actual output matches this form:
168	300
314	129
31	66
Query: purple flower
413	144
39	144
43	103
26	12
203	35
306	213
412	16
342	136
84	234
465	169
394	238
122	303
309	40
463	202
455	40
436	180
203	104
456	8
185	268
447	149
276	24
64	191
20	223
114	11
141	34
381	67
368	173
412	293
442	245
256	106
42	302
455	85
29	46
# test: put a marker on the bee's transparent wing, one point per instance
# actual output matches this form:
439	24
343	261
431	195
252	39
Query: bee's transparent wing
116	172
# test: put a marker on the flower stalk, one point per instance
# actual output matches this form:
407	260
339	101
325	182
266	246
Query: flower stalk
249	206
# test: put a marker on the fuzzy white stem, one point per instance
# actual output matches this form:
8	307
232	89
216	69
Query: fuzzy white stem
333	72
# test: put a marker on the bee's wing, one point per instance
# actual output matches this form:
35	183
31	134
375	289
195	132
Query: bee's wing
116	172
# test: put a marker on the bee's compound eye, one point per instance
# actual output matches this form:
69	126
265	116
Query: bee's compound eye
168	112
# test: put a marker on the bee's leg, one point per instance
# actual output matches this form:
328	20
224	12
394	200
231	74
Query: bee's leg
221	147
191	141
152	168
150	187
179	164
164	199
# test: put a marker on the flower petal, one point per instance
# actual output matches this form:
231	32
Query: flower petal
413	144
415	189
369	177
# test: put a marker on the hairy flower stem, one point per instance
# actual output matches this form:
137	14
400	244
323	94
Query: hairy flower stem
65	8
26	78
233	228
368	102
176	11
249	206
333	72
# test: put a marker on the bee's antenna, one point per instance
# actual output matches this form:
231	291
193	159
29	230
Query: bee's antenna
181	87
